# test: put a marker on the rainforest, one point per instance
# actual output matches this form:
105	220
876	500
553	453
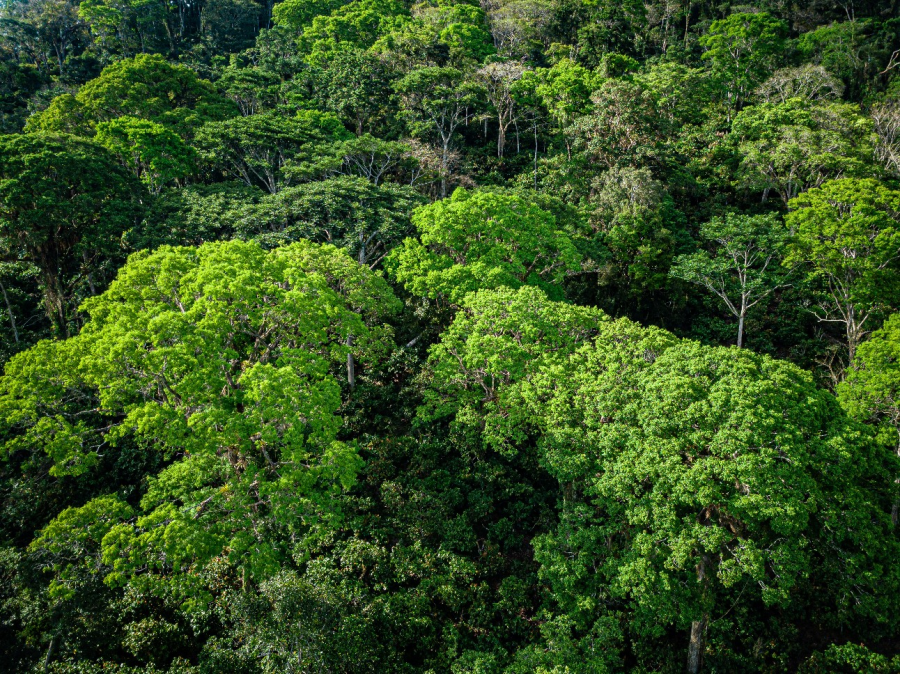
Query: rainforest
450	336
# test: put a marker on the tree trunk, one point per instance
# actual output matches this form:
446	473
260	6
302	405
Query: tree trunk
695	649
698	627
445	163
351	365
49	653
55	302
740	339
9	310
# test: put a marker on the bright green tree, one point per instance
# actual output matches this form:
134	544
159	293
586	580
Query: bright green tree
498	338
355	25
297	14
847	233
871	390
479	240
694	480
146	86
155	154
223	355
743	268
744	49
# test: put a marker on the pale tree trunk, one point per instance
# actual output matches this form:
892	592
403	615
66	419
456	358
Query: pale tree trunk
9	310
445	167
49	653
351	365
698	642
743	315
698	627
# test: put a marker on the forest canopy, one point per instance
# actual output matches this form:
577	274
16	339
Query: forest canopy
478	337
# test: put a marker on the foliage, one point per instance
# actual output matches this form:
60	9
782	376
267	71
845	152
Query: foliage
263	150
743	47
155	154
275	397
64	203
847	234
480	240
745	268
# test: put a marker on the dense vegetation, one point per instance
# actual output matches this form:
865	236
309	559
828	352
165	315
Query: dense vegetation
525	336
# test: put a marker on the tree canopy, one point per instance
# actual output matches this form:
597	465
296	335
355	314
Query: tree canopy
495	337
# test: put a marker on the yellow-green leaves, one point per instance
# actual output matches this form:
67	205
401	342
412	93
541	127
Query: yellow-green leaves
482	240
222	356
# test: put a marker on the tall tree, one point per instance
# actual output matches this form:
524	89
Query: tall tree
744	49
745	265
693	482
436	102
64	205
848	236
499	80
479	240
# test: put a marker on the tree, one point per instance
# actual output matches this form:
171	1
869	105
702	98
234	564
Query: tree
194	214
262	150
791	147
357	88
499	81
149	87
49	29
230	25
482	240
623	128
871	390
500	337
441	34
745	268
637	234
224	355
155	154
848	236
366	220
807	82
65	114
693	482
886	118
297	14
436	102
253	89
129	27
375	160
355	25
743	49
517	24
64	203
